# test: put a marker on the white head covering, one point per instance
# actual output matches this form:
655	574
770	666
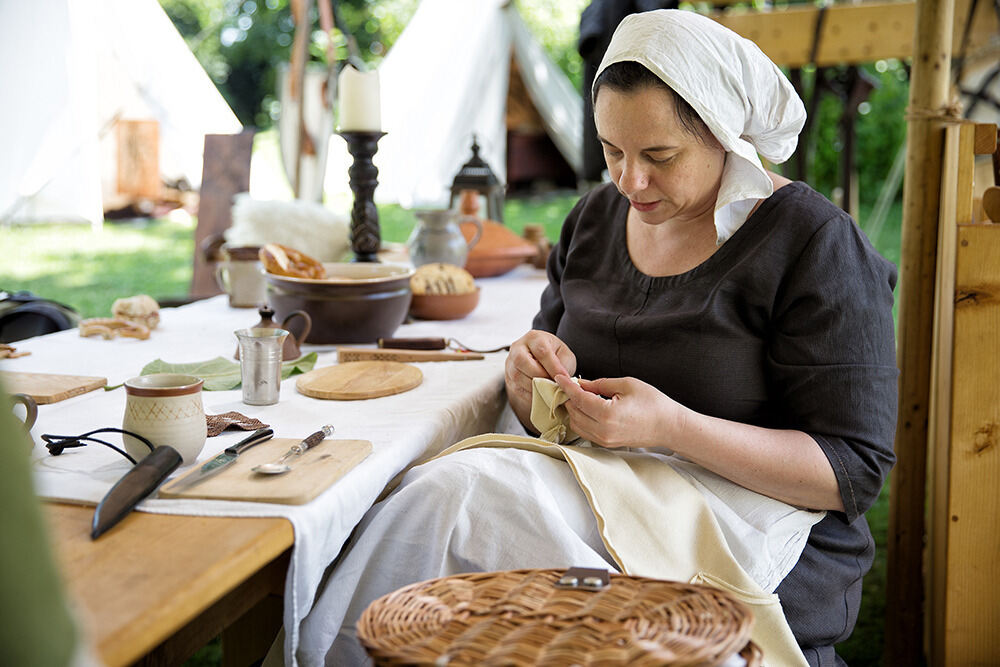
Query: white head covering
742	96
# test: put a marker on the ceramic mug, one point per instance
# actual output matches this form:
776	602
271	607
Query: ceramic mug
30	409
166	409
241	275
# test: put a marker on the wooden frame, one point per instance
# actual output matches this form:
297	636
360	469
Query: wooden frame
964	428
851	33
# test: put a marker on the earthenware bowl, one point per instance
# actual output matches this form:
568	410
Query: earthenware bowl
444	306
357	302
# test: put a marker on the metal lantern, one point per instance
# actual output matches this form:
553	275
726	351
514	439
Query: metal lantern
477	175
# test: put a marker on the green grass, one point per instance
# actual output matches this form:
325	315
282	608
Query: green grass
89	270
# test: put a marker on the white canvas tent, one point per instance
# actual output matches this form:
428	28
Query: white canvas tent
70	69
445	79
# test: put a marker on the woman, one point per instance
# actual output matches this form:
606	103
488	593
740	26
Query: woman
768	359
719	310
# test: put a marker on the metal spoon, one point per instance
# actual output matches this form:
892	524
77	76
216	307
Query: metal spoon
298	449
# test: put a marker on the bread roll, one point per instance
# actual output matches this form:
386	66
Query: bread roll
284	261
140	309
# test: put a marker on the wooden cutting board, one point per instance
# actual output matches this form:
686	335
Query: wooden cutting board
49	387
311	474
359	380
345	354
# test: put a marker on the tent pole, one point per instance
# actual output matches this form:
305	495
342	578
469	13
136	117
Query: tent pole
929	96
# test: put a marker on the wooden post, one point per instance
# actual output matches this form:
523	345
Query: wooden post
225	173
929	93
139	160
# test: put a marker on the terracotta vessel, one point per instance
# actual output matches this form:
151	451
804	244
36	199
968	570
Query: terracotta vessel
499	249
357	302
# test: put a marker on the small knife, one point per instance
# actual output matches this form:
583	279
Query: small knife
223	460
141	480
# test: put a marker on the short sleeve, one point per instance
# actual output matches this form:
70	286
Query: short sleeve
832	360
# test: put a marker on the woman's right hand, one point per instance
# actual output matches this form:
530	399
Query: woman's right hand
535	354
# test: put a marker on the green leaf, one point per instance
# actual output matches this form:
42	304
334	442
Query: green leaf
221	374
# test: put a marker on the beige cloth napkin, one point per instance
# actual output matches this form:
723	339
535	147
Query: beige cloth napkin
547	412
653	522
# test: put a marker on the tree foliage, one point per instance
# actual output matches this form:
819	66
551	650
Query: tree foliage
242	43
880	131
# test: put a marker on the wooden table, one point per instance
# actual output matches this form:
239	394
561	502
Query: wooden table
163	585
160	584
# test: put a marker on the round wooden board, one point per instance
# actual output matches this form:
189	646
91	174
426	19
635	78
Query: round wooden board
359	380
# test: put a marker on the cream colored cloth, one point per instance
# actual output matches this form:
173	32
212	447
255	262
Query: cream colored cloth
742	96
653	522
547	412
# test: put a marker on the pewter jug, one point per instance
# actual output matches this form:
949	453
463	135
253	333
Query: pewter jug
438	238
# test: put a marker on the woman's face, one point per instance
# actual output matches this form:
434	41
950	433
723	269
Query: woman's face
667	173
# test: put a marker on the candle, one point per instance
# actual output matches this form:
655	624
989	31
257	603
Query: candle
360	108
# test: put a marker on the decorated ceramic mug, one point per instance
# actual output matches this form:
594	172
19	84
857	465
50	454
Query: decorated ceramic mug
166	409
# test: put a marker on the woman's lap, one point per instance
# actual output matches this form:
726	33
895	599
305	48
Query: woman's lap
475	510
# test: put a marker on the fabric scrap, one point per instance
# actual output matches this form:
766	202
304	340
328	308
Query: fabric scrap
227	420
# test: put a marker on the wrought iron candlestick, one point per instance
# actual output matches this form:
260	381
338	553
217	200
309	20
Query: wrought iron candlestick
366	239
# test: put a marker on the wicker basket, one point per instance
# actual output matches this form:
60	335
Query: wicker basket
519	617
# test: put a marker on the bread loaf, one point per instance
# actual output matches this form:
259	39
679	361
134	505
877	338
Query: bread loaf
441	278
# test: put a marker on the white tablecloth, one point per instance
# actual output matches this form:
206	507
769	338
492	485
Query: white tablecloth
455	400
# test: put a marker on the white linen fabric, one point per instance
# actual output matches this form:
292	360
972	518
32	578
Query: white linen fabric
745	100
475	510
498	508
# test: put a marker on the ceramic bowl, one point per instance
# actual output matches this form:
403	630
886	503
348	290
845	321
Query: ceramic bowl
498	251
444	306
357	302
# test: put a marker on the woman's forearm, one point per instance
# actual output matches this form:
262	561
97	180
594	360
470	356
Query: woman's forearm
783	464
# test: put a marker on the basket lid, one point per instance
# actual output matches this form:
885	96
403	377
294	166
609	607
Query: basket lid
520	617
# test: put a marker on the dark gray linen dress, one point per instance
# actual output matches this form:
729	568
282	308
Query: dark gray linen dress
788	325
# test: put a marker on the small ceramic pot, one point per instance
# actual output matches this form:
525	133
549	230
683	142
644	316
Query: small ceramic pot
166	409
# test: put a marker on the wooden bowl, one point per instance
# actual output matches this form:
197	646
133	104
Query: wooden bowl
443	306
357	302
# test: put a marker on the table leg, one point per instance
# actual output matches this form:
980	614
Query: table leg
248	606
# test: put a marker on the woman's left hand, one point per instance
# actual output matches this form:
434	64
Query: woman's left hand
620	412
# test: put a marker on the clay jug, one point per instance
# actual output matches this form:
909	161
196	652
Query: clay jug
438	238
291	349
